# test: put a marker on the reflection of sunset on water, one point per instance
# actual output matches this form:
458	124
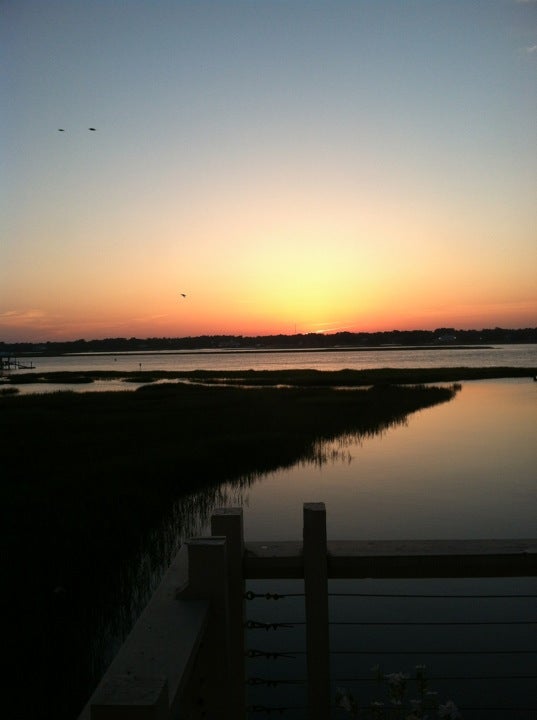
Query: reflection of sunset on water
462	469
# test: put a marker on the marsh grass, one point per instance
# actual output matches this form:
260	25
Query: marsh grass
295	377
87	477
181	435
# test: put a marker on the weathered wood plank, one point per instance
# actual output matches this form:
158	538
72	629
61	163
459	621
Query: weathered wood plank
394	558
161	647
273	560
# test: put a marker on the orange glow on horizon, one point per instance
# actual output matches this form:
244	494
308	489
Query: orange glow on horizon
180	320
315	200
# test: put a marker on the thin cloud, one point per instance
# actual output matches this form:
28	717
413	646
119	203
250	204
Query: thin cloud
145	318
16	317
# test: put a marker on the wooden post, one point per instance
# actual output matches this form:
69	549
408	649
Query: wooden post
208	579
317	630
229	523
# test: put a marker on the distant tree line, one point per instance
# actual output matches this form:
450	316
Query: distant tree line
438	337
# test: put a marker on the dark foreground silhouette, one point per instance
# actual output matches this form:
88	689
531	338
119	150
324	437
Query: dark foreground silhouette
91	479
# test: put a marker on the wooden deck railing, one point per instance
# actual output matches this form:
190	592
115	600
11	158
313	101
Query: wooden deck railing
185	657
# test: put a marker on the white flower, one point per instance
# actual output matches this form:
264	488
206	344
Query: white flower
343	700
449	710
397	678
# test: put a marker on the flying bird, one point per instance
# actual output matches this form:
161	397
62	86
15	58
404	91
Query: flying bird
61	130
183	295
92	129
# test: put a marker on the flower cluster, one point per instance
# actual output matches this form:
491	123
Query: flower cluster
424	706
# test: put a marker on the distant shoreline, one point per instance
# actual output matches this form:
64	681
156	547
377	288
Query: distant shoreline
252	351
444	338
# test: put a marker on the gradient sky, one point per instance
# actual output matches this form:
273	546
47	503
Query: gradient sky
290	165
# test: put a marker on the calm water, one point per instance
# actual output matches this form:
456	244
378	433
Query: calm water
465	469
462	469
500	355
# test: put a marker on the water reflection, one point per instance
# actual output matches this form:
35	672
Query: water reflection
189	516
459	629
464	468
499	356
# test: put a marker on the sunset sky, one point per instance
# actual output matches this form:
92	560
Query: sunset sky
289	165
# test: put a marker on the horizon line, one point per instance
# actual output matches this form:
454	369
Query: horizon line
274	335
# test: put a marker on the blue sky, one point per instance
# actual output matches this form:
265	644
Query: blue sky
322	165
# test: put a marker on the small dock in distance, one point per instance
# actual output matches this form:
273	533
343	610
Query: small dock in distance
8	362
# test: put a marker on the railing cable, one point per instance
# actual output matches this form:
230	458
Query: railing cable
467	707
443	677
434	652
496	707
278	710
439	622
273	682
270	596
267	710
438	596
252	653
256	625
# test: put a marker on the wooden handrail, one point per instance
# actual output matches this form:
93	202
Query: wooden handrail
201	602
152	669
397	559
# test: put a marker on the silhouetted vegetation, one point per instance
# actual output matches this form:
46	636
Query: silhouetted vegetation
441	337
88	477
297	378
182	434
